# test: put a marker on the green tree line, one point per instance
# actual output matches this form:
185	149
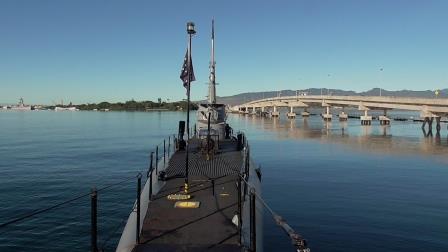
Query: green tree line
137	105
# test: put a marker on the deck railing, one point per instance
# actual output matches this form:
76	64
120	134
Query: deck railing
297	240
156	162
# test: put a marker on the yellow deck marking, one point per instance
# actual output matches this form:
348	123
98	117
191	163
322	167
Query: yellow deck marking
187	204
179	196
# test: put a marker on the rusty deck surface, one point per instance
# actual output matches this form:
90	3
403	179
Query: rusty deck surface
207	228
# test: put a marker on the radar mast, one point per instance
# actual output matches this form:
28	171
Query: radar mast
212	83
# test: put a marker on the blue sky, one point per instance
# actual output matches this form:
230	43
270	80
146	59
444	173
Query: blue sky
90	51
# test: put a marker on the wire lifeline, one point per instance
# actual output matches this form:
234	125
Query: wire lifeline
38	211
296	238
33	213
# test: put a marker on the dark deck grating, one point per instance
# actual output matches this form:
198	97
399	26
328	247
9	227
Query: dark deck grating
207	228
226	162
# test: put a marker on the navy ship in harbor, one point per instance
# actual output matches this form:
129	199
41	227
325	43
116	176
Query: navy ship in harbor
205	195
21	106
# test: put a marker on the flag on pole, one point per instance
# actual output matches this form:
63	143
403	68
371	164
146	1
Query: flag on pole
187	68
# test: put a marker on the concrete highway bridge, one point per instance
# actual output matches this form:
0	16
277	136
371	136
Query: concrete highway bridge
429	108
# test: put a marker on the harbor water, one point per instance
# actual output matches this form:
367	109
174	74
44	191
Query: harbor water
343	186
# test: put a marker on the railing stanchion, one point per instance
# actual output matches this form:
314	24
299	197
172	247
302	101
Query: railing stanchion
139	186
93	220
239	208
157	158
253	231
164	152
169	145
247	161
150	176
174	143
246	172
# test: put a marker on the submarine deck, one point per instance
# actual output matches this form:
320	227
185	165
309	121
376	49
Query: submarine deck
208	227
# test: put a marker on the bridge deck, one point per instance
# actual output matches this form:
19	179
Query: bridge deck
438	106
207	228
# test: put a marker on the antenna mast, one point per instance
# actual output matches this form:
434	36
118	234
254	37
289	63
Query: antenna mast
212	83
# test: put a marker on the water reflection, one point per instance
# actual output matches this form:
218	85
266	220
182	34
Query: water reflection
292	124
427	134
385	129
397	138
305	123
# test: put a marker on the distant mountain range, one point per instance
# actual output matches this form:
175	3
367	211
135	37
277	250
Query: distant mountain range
246	97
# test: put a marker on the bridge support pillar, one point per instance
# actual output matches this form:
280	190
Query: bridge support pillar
291	113
438	124
305	113
366	119
424	122
428	120
327	116
343	116
246	111
384	120
275	113
263	112
254	111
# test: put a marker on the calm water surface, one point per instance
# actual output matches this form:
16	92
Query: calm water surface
343	186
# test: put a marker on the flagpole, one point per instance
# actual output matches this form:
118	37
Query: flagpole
191	32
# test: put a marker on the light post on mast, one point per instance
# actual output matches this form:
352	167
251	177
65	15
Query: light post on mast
191	32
